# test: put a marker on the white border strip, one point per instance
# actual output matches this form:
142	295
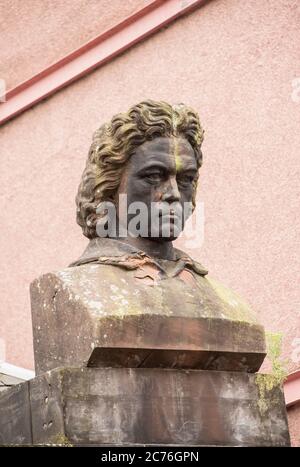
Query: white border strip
16	371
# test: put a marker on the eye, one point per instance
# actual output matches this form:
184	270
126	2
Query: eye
185	180
153	177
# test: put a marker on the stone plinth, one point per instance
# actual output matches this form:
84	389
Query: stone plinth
119	406
127	322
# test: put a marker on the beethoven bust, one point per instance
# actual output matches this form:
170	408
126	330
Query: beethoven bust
151	154
132	299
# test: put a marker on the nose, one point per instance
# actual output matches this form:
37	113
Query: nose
171	192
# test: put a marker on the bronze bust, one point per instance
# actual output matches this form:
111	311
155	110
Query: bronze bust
132	299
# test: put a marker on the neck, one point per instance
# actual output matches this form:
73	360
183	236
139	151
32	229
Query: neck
153	248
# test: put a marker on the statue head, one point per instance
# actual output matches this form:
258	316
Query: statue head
152	153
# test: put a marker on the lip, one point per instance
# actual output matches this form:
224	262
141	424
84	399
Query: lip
170	217
170	213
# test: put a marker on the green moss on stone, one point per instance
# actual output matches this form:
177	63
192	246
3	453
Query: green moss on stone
274	349
266	383
234	307
61	440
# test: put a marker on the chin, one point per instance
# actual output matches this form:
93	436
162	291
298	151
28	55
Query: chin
167	239
159	237
171	233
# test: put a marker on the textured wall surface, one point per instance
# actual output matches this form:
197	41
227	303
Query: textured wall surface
37	33
233	61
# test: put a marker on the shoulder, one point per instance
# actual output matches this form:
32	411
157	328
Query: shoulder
234	305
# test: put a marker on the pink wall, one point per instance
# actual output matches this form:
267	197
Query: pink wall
234	61
40	32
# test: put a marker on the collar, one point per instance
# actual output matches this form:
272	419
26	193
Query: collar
117	253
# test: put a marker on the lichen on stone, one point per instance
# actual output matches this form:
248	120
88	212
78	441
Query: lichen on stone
274	350
267	382
61	440
234	307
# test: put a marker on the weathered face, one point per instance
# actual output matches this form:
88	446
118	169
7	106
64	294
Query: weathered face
160	174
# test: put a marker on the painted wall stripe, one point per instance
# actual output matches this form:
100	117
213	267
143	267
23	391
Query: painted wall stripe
292	389
91	55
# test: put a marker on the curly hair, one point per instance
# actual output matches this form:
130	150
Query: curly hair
115	142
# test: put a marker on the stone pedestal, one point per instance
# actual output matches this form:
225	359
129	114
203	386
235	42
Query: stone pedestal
171	324
120	362
122	406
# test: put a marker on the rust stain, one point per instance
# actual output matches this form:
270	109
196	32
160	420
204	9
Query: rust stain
187	277
147	274
126	261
